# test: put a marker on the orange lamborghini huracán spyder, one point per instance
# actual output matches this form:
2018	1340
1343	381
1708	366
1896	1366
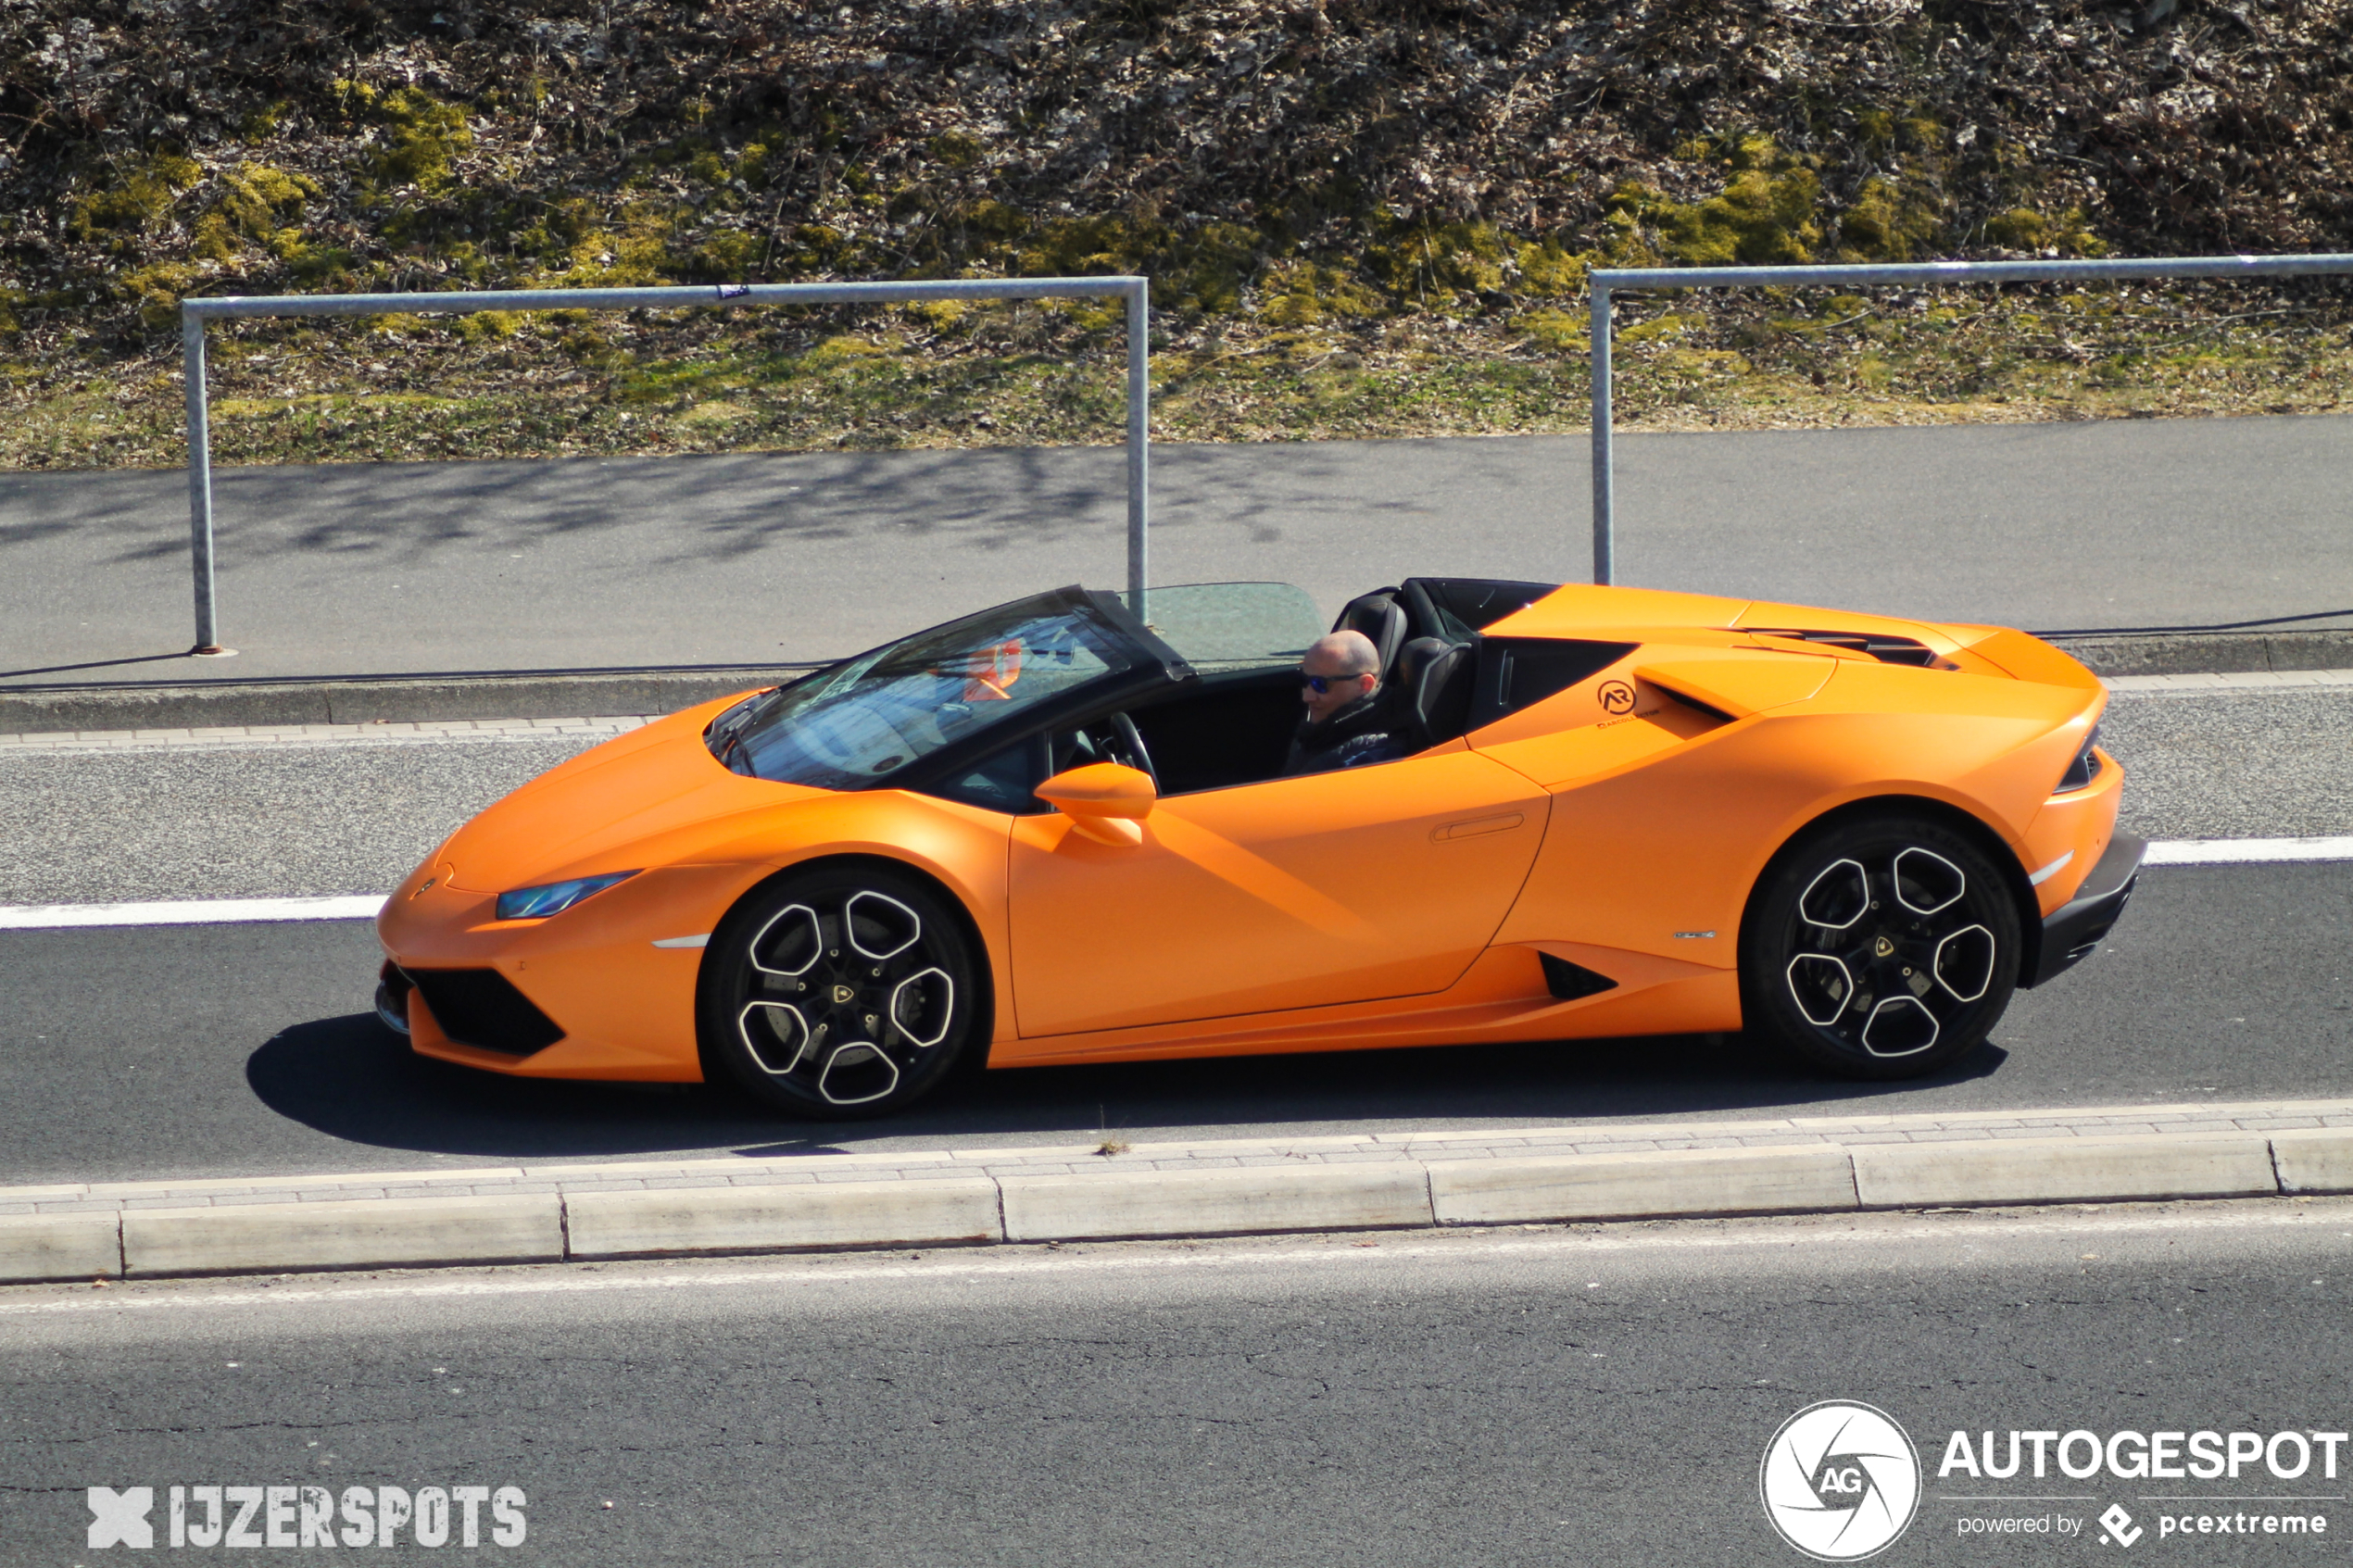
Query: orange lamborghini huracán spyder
1054	832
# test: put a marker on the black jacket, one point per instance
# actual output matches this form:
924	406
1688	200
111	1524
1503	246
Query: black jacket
1358	734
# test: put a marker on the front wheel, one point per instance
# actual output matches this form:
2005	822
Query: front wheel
840	991
1881	946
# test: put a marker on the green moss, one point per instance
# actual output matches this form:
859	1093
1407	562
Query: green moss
2022	228
1549	270
726	257
1766	214
425	137
256	201
1302	294
137	199
1206	270
263	122
1428	265
1555	329
1892	219
955	149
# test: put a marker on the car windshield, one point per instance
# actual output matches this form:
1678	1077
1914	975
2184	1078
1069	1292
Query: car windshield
851	725
1234	625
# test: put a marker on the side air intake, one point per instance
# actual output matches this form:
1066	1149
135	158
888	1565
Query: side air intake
1570	982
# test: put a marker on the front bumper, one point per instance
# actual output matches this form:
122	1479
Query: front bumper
2072	931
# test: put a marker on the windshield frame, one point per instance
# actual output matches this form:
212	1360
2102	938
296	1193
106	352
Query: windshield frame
1152	665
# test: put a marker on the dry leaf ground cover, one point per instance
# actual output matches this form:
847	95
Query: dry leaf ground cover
1362	217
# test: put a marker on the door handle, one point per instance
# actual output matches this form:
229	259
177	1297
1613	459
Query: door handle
1472	828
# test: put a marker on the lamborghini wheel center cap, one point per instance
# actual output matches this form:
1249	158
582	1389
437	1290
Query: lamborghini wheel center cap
1882	948
844	995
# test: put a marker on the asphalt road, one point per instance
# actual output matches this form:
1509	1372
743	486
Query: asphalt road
756	558
200	1050
181	822
1599	1396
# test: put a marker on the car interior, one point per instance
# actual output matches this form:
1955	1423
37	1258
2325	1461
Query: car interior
1440	679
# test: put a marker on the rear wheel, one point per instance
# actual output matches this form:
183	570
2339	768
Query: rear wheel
1879	945
840	992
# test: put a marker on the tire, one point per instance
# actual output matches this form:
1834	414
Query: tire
1879	945
846	991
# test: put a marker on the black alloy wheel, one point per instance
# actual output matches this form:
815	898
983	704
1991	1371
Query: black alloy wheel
847	990
1879	945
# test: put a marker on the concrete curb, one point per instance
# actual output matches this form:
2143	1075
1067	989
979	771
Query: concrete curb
388	1233
937	1199
600	694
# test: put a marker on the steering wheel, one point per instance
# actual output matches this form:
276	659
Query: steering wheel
1139	759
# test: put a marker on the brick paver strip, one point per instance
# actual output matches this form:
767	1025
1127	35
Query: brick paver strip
1611	1138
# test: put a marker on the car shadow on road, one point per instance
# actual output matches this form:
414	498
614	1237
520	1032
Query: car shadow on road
352	1079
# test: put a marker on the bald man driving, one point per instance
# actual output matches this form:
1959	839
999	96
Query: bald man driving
1344	725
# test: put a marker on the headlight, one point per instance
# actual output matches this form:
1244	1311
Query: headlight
538	903
2084	768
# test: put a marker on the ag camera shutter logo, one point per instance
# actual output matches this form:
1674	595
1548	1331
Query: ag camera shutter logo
1840	1481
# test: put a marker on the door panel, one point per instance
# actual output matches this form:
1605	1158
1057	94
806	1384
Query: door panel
1383	881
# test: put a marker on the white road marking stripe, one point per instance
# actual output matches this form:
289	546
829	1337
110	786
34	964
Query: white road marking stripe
2245	851
188	911
226	911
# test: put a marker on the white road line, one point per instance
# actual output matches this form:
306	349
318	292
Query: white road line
230	911
2245	851
188	911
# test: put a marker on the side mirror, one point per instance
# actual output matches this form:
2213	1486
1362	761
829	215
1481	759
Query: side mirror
1103	800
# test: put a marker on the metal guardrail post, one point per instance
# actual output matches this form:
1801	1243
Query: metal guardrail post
1877	274
194	313
1604	461
1139	394
199	483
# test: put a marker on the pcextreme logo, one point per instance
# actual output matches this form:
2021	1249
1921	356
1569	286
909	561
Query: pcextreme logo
1840	1481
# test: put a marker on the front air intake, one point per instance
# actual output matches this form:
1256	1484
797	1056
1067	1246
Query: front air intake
480	1008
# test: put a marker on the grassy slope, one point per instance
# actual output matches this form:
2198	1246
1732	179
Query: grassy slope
1362	219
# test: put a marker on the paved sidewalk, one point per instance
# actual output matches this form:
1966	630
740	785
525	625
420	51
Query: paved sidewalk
383	569
1400	1150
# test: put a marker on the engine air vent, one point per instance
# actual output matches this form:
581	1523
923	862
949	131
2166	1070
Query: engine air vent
1886	648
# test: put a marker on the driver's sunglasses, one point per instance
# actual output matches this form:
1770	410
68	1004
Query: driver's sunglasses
1322	685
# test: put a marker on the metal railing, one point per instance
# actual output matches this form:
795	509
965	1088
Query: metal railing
1607	281
195	313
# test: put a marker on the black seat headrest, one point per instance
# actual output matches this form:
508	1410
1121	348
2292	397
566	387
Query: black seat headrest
1377	616
1430	690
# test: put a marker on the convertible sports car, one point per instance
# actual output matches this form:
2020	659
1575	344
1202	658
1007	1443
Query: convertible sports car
1052	831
